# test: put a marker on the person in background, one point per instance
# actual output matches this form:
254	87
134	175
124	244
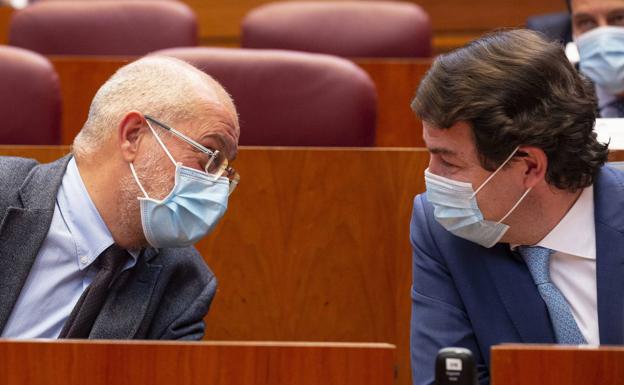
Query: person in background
98	244
598	31
518	237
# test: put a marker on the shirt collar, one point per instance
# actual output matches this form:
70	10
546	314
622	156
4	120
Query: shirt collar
575	233
87	227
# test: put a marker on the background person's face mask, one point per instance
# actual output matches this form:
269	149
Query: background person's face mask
189	212
601	53
456	209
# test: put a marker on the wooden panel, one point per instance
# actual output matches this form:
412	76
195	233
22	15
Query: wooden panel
5	17
220	20
395	80
152	363
315	246
80	78
556	365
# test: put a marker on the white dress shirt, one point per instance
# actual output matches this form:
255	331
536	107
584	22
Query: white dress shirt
573	264
64	266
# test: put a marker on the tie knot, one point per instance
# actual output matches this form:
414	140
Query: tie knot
537	259
112	258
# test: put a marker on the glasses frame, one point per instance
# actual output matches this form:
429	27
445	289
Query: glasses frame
229	172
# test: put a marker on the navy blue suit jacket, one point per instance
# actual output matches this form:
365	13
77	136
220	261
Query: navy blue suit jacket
470	296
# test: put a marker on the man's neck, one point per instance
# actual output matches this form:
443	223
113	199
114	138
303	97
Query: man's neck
548	208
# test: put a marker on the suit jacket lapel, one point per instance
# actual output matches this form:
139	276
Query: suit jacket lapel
23	230
608	209
519	295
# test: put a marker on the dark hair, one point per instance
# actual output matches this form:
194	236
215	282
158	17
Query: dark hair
515	88
569	4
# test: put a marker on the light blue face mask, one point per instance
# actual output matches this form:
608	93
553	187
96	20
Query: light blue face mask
601	52
456	209
189	212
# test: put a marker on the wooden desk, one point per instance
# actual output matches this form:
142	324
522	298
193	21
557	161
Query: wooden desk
396	82
193	363
314	246
556	365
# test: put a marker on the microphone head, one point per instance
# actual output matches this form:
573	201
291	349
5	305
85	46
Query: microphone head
455	366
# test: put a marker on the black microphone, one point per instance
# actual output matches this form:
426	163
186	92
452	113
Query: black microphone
455	366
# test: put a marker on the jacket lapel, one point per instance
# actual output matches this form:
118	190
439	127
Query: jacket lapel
24	228
608	209
519	295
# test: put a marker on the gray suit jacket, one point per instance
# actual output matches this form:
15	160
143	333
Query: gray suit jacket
165	296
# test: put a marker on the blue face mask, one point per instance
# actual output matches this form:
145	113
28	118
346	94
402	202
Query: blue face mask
456	209
601	53
189	212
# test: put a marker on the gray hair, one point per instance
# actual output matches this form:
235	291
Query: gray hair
163	87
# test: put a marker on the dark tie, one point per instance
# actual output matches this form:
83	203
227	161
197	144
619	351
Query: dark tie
82	317
566	330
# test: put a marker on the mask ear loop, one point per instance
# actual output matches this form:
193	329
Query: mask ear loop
495	172
136	178
134	174
516	205
161	142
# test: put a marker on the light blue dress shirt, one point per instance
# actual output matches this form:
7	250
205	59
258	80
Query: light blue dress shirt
64	267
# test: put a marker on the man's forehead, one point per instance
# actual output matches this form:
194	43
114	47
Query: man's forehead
221	128
581	6
447	139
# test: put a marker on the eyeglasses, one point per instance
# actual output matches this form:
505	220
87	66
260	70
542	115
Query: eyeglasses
216	164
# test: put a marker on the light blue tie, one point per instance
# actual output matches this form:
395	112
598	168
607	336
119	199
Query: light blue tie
566	330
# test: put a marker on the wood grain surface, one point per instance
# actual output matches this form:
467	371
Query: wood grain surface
5	17
396	82
556	365
189	363
314	246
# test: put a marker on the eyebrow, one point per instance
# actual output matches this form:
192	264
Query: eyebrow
442	151
615	11
223	147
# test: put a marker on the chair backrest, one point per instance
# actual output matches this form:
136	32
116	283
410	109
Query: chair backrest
556	26
344	28
30	98
103	27
289	98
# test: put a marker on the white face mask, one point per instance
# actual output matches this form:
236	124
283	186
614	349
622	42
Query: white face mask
601	53
190	211
456	209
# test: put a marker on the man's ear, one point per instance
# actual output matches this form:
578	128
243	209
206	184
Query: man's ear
130	131
535	164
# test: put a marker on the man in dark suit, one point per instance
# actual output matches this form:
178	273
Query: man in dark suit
98	244
598	31
518	236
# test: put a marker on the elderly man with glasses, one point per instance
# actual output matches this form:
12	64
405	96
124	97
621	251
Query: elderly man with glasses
98	244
